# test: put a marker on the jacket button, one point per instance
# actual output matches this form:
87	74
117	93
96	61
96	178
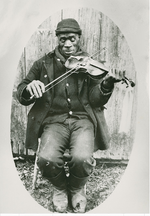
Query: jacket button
33	117
45	75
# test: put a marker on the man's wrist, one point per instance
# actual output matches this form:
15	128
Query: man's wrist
26	94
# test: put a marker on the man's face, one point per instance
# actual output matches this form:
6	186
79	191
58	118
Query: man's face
68	43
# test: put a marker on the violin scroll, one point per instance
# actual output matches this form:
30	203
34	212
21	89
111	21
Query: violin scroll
128	82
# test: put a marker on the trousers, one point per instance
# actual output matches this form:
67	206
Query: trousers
77	135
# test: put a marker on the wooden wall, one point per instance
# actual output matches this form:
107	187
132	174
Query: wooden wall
99	33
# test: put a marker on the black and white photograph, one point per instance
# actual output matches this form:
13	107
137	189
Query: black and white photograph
74	109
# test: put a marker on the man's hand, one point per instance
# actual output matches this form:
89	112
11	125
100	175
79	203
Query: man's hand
113	77
36	88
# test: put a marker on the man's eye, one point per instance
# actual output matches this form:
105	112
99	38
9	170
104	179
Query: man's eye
62	40
72	39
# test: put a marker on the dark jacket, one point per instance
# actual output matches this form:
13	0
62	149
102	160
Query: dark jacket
42	70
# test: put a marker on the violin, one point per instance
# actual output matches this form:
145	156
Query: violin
85	64
94	68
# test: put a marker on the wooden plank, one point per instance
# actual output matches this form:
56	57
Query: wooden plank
42	41
18	114
18	127
118	56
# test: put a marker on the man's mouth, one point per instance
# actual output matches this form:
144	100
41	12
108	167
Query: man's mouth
68	51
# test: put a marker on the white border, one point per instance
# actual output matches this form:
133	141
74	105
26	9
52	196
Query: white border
19	19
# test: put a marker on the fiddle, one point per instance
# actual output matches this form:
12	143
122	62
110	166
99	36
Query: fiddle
85	64
94	68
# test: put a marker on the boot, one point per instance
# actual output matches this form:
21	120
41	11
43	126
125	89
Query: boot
60	195
78	193
60	200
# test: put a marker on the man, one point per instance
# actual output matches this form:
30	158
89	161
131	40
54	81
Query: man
68	116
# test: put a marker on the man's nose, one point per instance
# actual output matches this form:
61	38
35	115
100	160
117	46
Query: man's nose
67	43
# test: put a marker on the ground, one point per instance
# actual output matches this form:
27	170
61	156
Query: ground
101	184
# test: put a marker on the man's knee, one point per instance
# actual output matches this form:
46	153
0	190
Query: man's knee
49	168
82	165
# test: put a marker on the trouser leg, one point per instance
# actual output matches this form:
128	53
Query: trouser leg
50	161
82	162
81	148
54	141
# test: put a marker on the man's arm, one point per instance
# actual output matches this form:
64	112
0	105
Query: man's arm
101	90
30	86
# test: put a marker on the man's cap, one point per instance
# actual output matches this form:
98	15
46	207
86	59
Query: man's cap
68	26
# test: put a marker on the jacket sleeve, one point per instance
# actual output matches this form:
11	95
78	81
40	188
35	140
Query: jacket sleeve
98	93
34	74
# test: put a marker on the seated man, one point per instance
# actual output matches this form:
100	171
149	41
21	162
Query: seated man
69	115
